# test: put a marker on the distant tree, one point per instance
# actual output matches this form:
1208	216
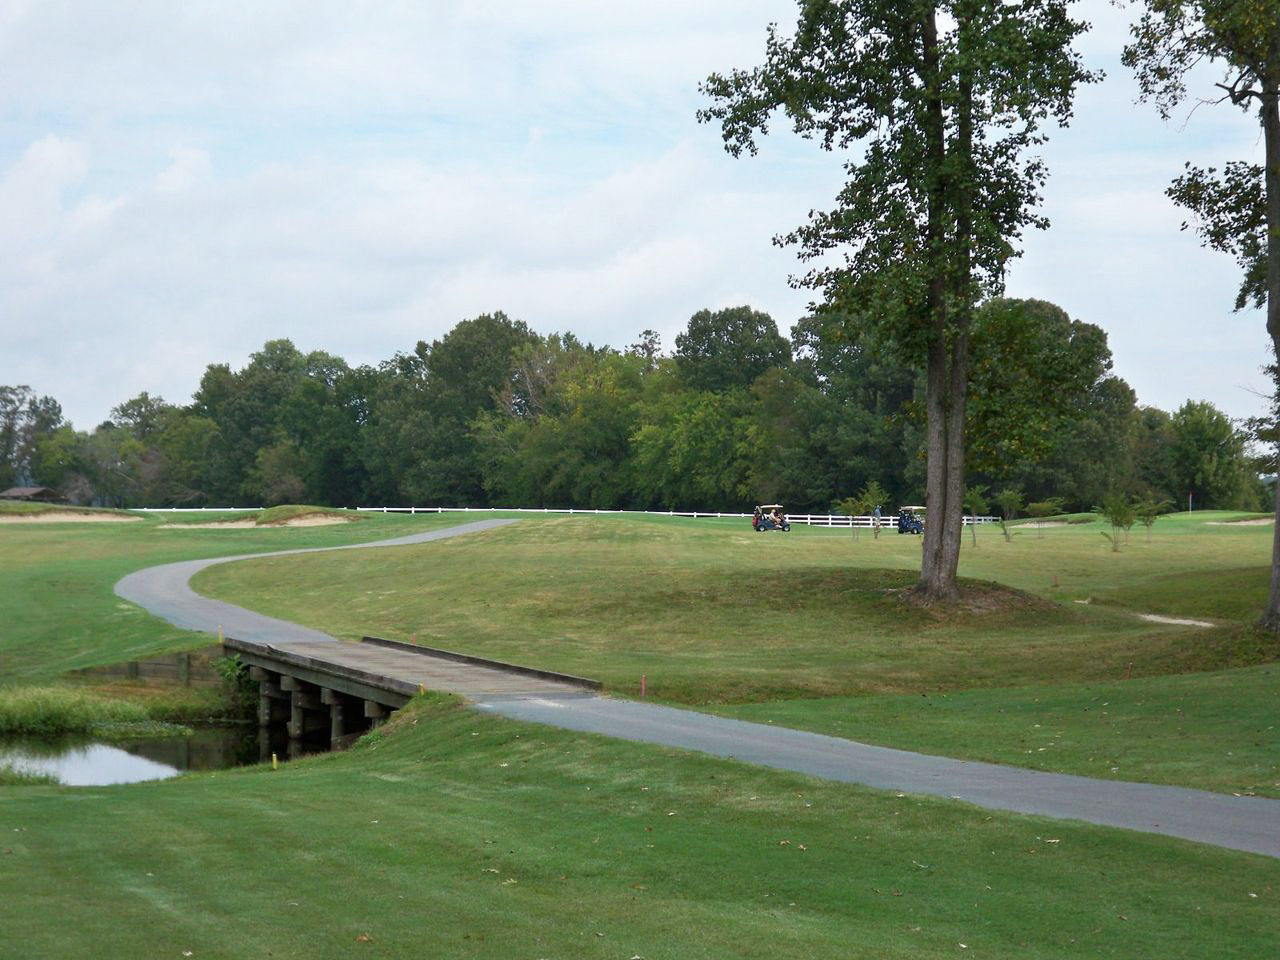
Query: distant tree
1009	501
937	104
975	498
1208	456
25	418
873	497
858	424
1034	376
142	416
649	346
1044	508
1148	510
1153	443
1118	511
723	349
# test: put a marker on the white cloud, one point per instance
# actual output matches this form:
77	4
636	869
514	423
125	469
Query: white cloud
180	182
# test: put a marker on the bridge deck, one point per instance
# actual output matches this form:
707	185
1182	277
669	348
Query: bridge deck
365	669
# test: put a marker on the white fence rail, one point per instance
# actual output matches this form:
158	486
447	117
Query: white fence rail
812	519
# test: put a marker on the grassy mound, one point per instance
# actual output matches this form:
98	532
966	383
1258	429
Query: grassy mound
27	508
283	514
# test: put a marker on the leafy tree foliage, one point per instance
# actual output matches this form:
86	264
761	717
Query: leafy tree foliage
939	187
1239	211
1207	458
725	349
25	419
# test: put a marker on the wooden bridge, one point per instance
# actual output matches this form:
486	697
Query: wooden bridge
346	688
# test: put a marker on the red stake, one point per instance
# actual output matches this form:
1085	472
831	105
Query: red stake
642	684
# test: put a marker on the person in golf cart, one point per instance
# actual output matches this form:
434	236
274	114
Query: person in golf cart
769	516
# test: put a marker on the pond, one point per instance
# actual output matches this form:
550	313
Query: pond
77	762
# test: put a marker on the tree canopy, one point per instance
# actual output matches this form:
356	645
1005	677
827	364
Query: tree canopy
936	108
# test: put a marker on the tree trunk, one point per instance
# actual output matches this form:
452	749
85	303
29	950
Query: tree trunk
948	375
1271	134
936	581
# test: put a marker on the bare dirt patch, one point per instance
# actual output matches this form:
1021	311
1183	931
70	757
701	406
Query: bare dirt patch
1260	522
65	516
978	598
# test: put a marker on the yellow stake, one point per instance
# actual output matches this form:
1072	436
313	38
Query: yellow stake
219	633
275	764
421	689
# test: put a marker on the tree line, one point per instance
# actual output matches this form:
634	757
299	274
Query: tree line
495	414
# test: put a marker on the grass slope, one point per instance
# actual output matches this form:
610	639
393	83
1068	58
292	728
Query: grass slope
713	613
58	611
812	626
27	507
455	835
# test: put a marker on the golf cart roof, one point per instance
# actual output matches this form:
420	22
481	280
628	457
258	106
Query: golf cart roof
770	506
919	509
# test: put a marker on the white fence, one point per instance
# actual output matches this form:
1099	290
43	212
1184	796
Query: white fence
812	519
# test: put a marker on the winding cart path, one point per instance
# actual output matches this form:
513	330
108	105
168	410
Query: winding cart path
1251	824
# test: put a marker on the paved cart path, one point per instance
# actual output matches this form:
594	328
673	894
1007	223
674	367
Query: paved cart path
1251	824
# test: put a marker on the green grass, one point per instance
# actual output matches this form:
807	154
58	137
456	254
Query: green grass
813	627
273	516
55	711
22	507
455	835
1215	731
622	850
58	611
9	777
712	613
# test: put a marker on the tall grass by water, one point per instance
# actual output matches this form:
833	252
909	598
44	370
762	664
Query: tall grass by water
51	711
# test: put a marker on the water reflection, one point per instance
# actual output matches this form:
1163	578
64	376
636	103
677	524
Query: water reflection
81	762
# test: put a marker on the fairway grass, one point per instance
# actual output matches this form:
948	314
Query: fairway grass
711	613
1214	731
455	835
57	608
811	631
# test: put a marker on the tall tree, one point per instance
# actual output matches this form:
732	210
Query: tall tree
1208	458
24	420
1239	211
723	349
937	105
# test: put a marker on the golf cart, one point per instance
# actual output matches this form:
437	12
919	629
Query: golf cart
770	516
911	519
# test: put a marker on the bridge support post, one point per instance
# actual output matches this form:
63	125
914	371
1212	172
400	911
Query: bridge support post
376	712
271	699
304	697
337	714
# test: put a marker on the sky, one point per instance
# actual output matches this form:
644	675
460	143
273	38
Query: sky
180	183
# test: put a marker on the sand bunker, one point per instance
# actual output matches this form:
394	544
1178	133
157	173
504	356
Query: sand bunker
65	516
318	520
1156	618
1260	522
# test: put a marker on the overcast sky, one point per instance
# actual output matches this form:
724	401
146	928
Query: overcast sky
180	182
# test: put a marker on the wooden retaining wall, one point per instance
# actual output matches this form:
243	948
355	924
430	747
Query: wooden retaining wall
191	668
